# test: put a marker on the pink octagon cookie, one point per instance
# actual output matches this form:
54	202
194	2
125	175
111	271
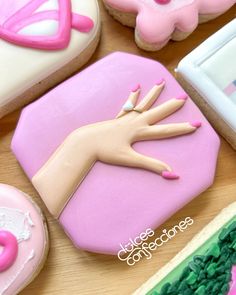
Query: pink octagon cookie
158	21
107	166
23	240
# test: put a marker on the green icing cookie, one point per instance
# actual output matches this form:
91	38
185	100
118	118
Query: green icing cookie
206	274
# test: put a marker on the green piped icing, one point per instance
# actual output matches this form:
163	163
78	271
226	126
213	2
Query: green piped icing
207	271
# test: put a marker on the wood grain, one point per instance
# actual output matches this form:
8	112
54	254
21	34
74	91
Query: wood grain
71	271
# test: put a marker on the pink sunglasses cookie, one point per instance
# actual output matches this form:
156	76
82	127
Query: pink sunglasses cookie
158	21
41	43
23	240
132	145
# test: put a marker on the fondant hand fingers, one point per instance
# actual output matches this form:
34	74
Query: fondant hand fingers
136	160
150	98
130	103
164	110
167	130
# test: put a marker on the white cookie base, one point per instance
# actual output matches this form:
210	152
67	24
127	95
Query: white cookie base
22	68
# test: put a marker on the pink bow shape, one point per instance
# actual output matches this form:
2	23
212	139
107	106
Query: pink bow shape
27	16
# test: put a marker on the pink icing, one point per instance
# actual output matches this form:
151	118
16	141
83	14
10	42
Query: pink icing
169	175
78	22
156	22
10	249
136	88
26	15
196	124
233	285
162	1
183	96
160	81
115	203
15	200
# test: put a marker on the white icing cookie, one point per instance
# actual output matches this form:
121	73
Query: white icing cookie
41	43
209	74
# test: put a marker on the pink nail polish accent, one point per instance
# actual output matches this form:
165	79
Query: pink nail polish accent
182	96
136	88
169	175
161	81
196	124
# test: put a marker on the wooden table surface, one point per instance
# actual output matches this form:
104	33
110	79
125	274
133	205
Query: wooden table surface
72	271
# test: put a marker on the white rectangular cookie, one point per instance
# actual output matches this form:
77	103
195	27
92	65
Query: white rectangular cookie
208	73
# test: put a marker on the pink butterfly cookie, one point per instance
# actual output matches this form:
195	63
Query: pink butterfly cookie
158	21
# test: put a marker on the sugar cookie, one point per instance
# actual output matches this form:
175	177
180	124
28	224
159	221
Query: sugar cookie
100	161
158	21
23	240
42	42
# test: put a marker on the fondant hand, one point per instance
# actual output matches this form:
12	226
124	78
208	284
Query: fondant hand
110	142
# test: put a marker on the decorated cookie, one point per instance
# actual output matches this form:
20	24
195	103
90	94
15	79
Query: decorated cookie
41	43
23	240
209	75
207	265
158	21
117	151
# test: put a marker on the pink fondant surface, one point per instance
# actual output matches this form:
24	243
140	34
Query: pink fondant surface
156	22
13	199
114	203
233	284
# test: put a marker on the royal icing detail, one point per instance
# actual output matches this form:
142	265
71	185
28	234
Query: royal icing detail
162	1
128	106
52	24
23	240
10	249
15	227
110	142
16	222
166	5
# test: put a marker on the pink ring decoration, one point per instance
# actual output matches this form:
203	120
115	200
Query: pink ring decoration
26	16
10	250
